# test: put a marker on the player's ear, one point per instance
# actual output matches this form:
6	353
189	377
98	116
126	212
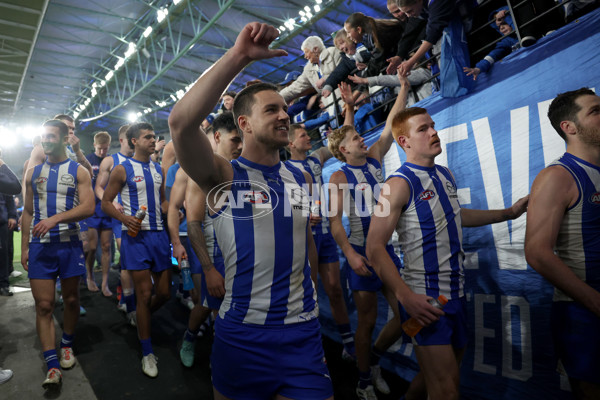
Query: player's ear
568	127
244	124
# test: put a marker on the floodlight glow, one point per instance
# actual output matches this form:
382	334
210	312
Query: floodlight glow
132	117
318	1
317	8
175	2
120	62
8	138
131	49
161	14
309	15
302	13
108	76
281	28
307	8
173	97
148	31
303	19
180	94
102	83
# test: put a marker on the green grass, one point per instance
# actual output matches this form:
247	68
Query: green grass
17	261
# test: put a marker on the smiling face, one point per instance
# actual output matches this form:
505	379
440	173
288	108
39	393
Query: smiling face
301	140
228	102
588	120
345	45
503	26
312	55
354	34
396	12
145	142
413	10
52	142
353	146
268	123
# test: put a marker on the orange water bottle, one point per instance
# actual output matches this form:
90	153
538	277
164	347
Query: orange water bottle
139	215
411	327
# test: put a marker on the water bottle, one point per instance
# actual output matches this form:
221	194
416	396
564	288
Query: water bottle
411	327
139	215
315	209
186	274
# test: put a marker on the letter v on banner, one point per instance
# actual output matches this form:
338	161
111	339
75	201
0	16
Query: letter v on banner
509	246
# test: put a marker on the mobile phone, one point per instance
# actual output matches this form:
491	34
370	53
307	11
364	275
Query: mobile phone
161	137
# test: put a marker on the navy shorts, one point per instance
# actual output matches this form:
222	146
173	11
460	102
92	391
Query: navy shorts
50	260
99	221
214	303
326	248
148	250
117	228
449	329
368	283
83	225
576	335
256	362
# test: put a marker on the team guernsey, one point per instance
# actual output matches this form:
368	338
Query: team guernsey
430	232
312	165
142	187
118	159
261	227
55	191
216	257
578	241
363	191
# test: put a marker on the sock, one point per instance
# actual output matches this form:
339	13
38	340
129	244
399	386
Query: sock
376	354
66	341
51	359
146	346
347	337
130	302
190	336
364	379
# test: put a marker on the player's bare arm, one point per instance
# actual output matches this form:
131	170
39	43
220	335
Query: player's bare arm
379	149
116	181
173	220
337	186
553	192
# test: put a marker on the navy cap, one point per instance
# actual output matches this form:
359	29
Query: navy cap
291	76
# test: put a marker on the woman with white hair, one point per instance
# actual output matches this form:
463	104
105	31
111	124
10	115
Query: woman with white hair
321	61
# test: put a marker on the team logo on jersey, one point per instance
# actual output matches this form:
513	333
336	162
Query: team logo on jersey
316	169
298	199
157	177
451	189
595	198
379	175
138	178
256	197
427	195
67	180
362	186
232	199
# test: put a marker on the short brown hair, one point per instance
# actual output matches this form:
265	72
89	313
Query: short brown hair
242	104
399	121
56	123
564	108
293	129
102	138
335	140
64	117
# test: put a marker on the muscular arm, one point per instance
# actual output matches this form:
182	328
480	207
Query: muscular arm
381	147
116	181
103	174
337	186
85	209
193	149
195	201
472	217
394	196
168	157
175	204
26	219
553	191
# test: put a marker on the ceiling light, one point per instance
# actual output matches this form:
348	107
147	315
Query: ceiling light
132	117
131	49
317	8
175	2
161	14
108	76
148	31
302	13
281	28
318	1
309	15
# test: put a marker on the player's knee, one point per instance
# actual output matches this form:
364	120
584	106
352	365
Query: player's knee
44	308
71	300
334	292
106	248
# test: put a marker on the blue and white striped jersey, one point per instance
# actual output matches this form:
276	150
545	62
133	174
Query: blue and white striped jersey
578	241
364	183
430	232
312	165
118	159
142	187
261	227
54	188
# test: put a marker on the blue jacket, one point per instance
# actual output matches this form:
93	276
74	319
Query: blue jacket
502	48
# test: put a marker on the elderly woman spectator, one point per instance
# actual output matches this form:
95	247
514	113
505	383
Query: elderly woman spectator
321	61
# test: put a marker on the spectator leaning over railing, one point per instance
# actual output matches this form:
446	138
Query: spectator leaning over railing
348	63
379	36
445	19
413	35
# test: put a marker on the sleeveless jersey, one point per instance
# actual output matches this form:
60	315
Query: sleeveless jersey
363	191
95	163
142	187
54	188
312	165
578	241
118	159
261	227
430	232
210	237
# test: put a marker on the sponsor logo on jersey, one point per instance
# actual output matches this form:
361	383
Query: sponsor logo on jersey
157	177
67	180
427	195
138	178
40	180
595	198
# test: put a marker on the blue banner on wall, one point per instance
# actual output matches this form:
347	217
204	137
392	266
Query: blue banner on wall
496	140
